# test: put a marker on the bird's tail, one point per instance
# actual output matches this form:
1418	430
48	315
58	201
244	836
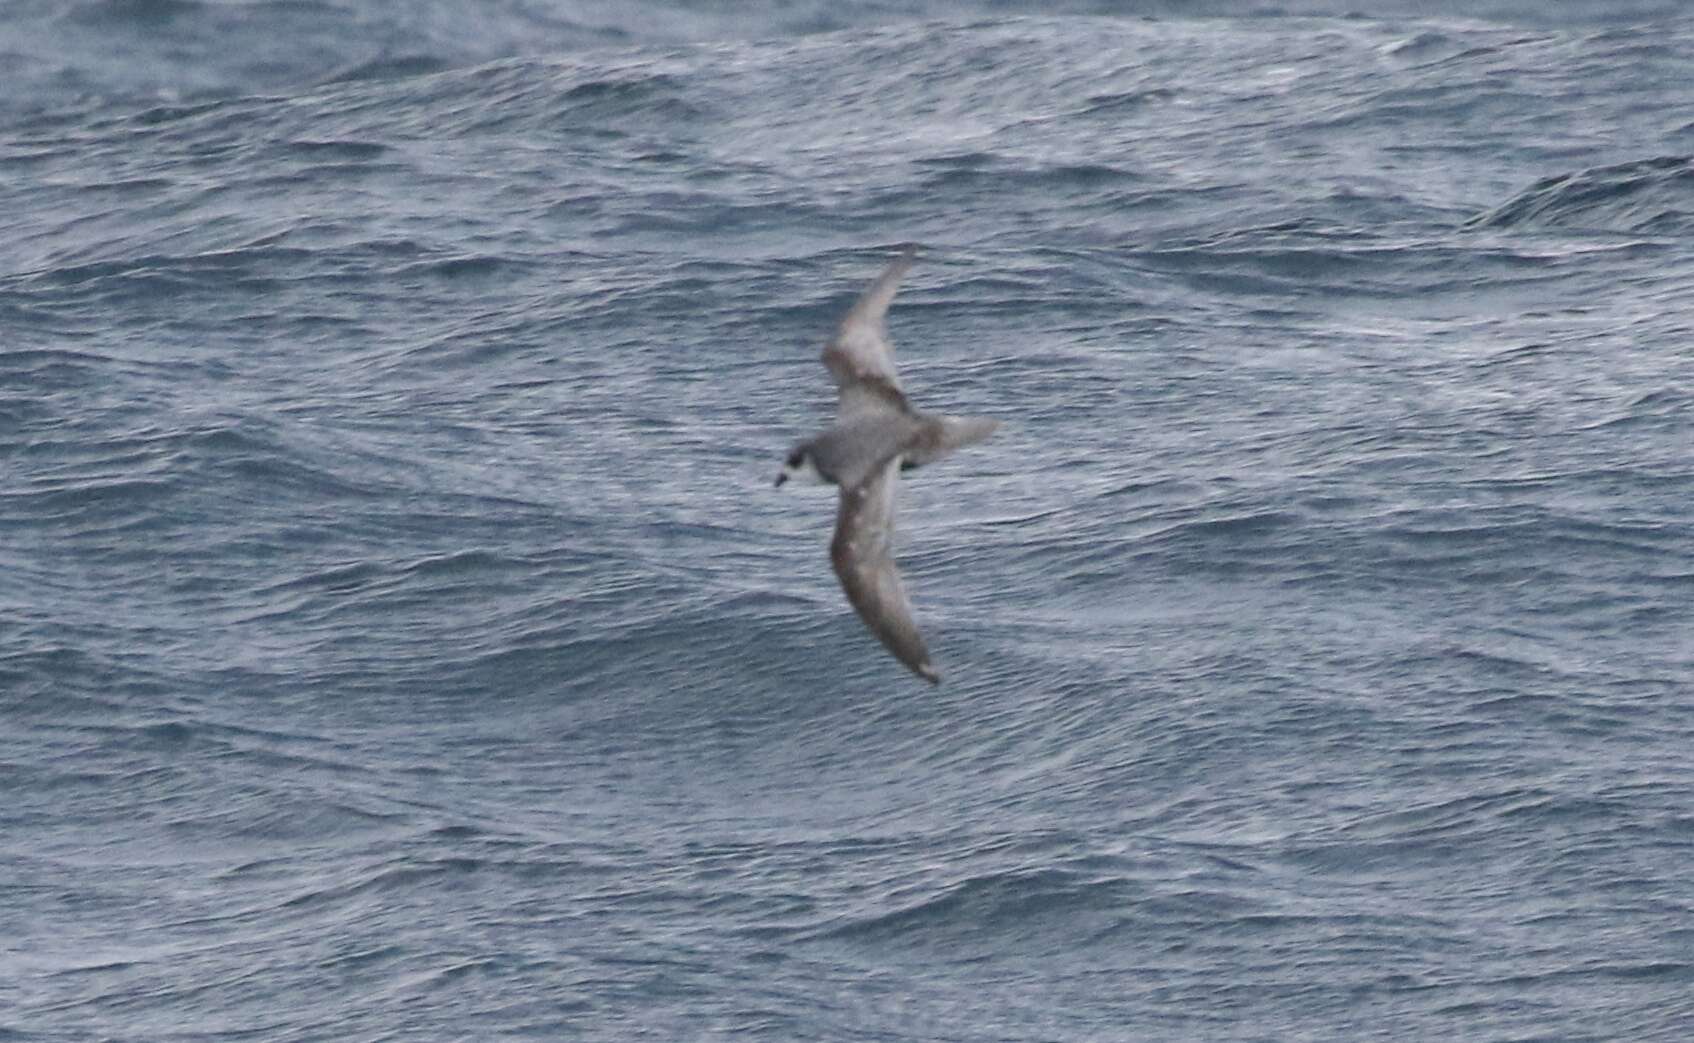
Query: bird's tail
960	431
954	432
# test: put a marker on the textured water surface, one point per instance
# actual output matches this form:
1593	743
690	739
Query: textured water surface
400	637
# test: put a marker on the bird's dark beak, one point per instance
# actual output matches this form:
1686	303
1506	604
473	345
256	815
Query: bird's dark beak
781	476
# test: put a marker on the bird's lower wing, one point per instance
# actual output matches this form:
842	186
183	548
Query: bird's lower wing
863	555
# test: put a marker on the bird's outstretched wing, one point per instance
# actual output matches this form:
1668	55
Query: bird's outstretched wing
863	555
860	356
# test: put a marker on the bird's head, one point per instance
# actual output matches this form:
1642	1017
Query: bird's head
800	465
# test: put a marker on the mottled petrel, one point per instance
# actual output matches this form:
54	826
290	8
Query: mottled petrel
876	435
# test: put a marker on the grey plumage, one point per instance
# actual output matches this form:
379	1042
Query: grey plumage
877	434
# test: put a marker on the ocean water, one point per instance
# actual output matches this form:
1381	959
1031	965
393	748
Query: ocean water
400	638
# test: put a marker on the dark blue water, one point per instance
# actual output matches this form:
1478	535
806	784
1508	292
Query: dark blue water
400	638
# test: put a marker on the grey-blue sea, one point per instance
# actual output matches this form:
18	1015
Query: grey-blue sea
400	638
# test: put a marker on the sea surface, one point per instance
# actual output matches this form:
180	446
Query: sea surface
401	638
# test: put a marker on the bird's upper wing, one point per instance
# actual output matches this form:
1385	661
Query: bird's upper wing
863	555
860	356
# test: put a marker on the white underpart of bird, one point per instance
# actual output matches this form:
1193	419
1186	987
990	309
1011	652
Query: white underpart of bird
877	434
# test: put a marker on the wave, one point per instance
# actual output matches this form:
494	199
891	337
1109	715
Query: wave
1650	196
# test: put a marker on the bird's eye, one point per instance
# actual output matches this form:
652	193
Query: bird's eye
795	457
